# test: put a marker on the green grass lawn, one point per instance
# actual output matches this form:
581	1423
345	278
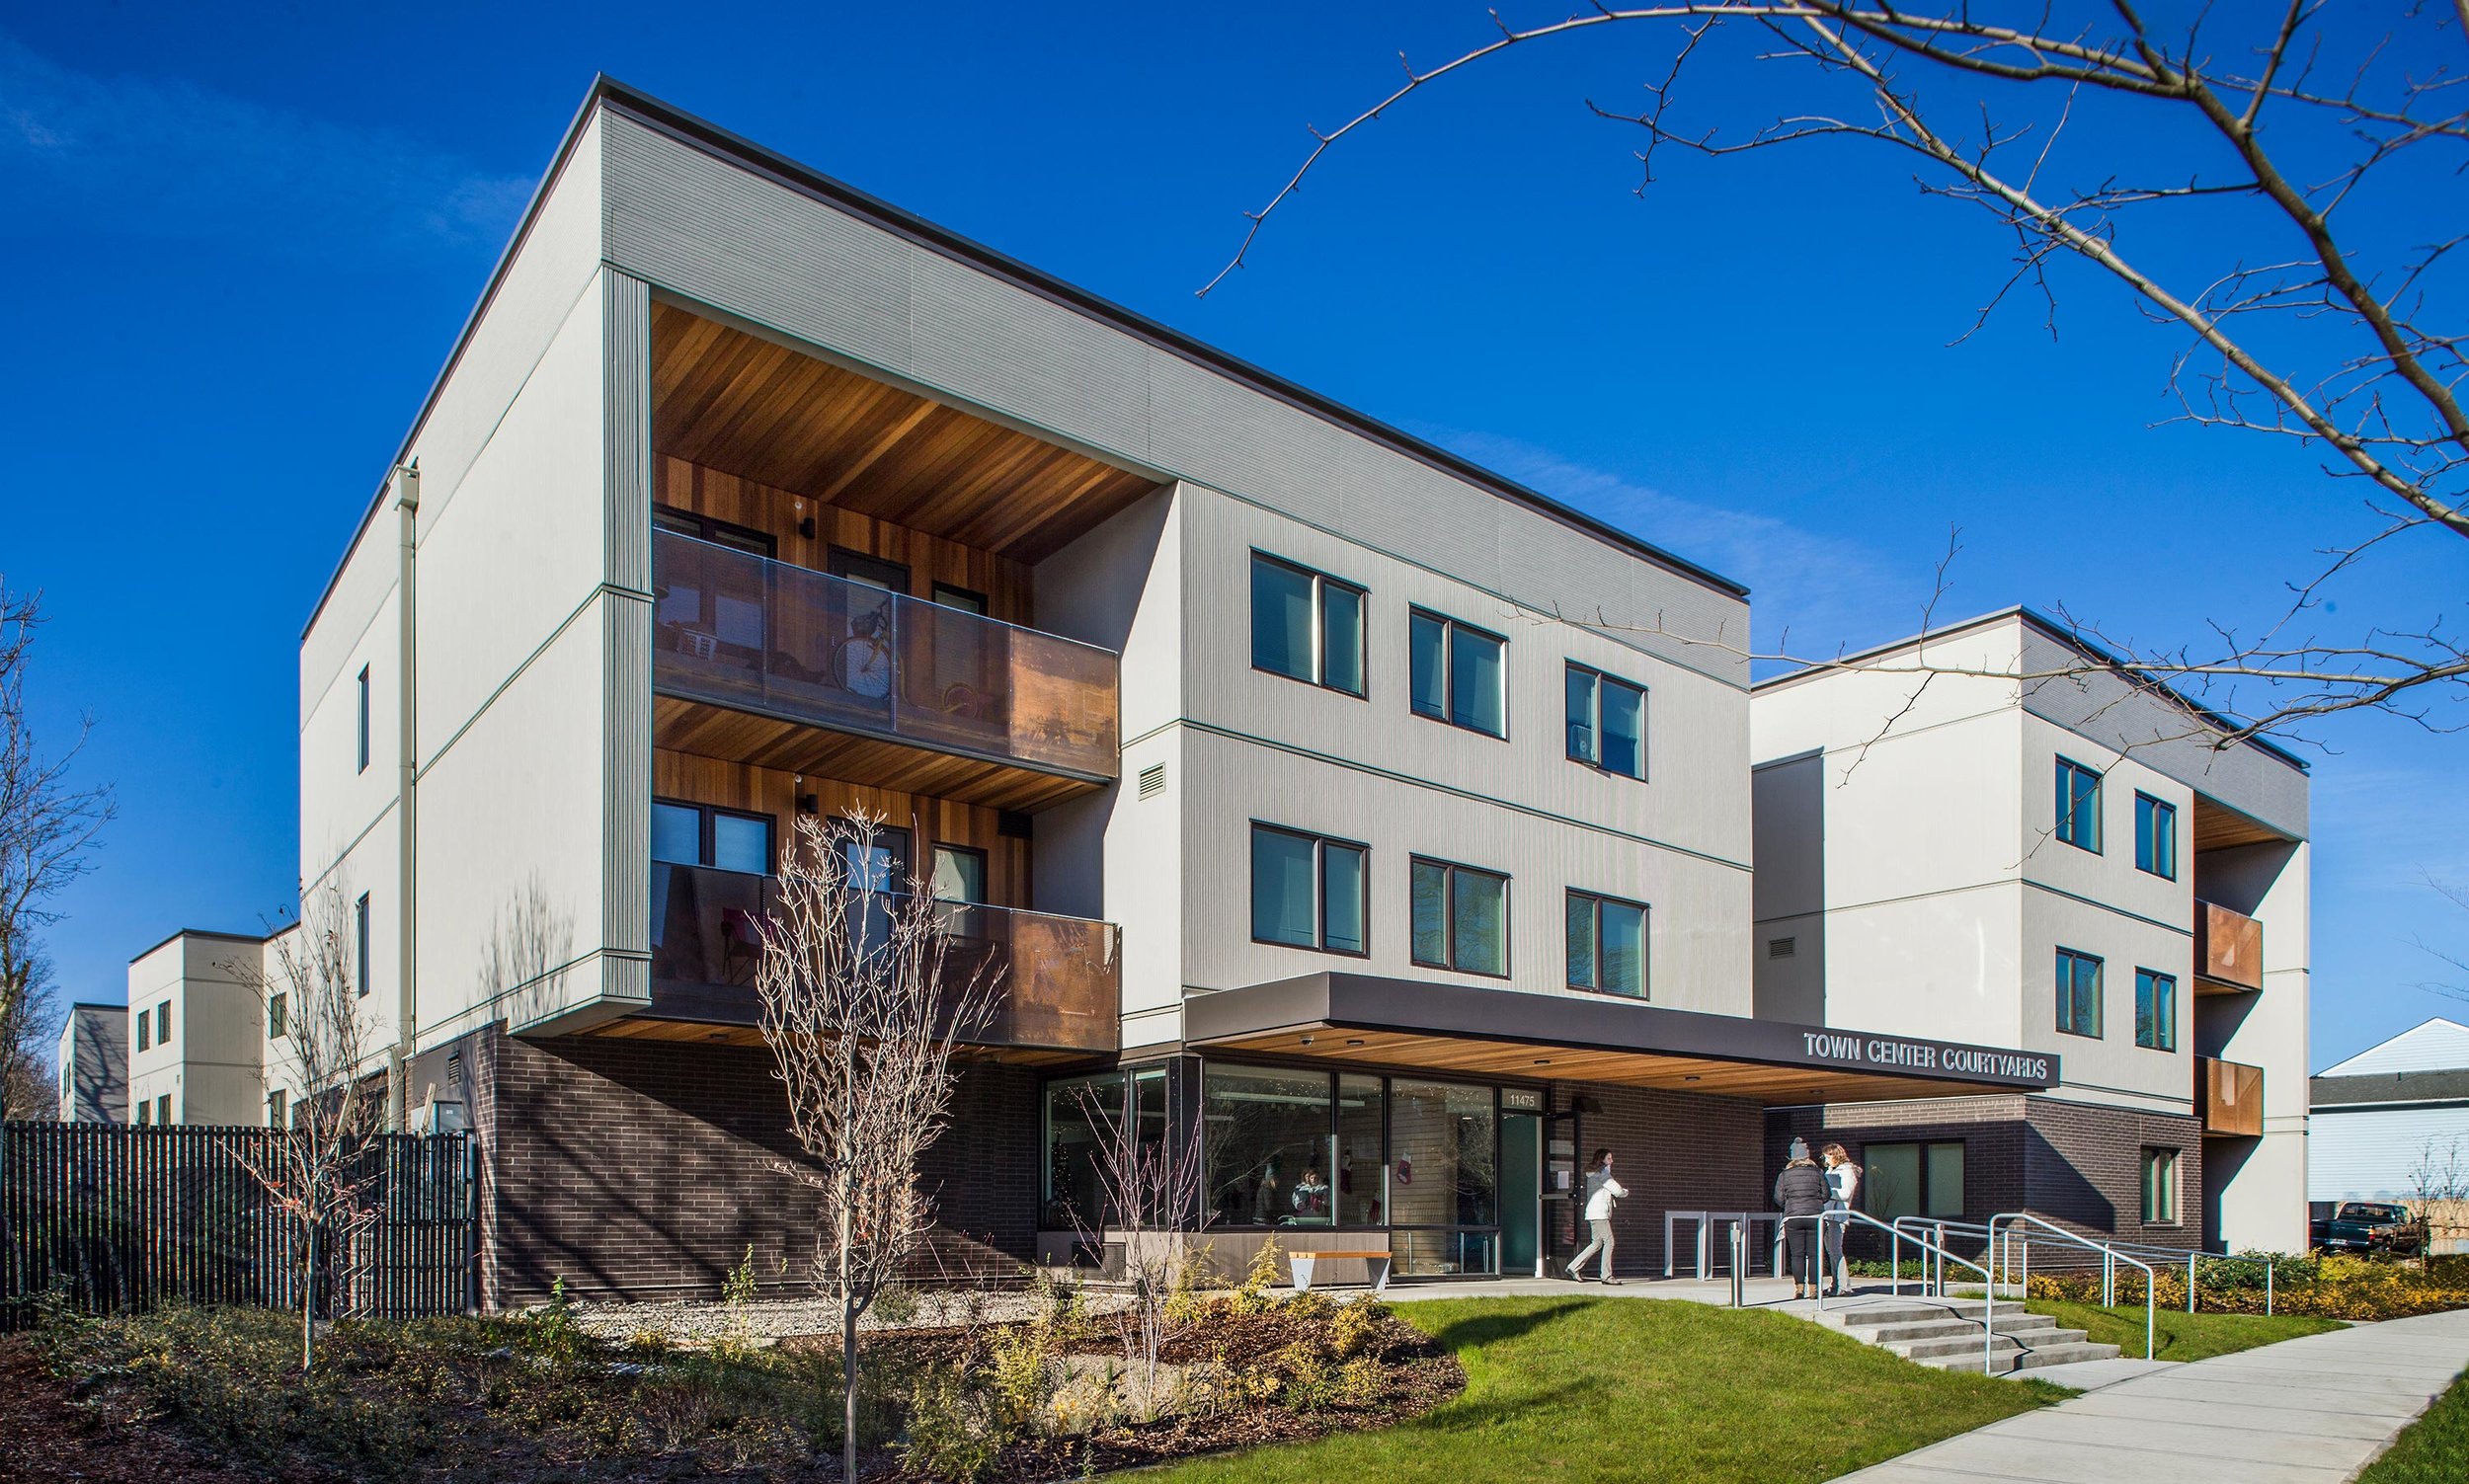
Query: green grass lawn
1591	1388
2435	1449
2180	1336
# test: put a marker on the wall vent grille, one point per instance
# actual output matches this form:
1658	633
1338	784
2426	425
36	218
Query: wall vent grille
1782	948
1153	780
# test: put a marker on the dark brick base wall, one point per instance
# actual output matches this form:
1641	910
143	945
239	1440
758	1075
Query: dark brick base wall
642	1169
2078	1164
1673	1151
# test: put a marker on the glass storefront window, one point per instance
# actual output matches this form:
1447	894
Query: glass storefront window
1081	1114
1444	1168
1362	1179
1269	1149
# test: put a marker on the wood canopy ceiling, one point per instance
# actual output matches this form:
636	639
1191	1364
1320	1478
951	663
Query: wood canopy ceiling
2217	826
735	402
1774	1086
684	726
709	1033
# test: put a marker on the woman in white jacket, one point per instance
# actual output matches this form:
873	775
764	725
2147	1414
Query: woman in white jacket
1601	1191
1843	1185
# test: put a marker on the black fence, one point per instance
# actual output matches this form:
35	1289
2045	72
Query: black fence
103	1218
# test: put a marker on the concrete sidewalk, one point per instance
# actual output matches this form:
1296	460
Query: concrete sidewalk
2307	1411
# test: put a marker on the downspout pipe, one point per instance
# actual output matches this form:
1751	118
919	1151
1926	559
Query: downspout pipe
406	760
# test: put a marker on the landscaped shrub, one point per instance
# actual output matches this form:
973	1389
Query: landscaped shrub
2329	1288
953	1432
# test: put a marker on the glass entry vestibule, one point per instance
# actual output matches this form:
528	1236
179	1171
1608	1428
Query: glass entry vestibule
1290	1149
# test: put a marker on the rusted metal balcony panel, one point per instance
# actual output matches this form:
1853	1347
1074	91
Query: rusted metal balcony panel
2229	1097
2228	948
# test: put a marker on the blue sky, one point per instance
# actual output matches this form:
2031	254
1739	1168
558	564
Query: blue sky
244	241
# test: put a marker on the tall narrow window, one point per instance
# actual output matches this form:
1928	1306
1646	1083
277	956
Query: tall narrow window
163	1108
1460	918
2078	806
1306	625
364	719
1308	890
1607	722
278	1015
2159	1186
1607	942
2155	836
2155	1010
274	1112
145	1031
1458	673
163	1024
2078	994
359	944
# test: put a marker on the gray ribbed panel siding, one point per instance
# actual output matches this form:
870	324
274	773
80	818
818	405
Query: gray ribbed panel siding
627	842
720	235
626	309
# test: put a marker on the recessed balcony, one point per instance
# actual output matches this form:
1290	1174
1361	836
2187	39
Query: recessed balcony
759	660
2229	1097
2228	951
1061	986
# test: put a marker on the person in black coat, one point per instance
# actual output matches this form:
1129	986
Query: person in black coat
1800	1193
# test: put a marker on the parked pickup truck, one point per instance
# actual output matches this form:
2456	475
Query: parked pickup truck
2373	1227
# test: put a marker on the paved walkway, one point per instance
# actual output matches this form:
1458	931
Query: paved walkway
2313	1410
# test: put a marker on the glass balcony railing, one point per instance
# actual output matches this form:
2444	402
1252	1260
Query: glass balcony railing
736	629
1060	985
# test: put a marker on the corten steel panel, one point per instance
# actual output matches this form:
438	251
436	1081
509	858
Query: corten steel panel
2228	946
2229	1096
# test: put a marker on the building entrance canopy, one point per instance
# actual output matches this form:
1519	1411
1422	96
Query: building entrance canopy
1508	1032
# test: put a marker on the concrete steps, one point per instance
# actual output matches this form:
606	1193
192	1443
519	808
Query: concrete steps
1946	1333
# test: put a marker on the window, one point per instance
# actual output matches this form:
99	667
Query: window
2160	1186
702	834
1461	918
1607	722
1606	940
2078	994
1913	1179
714	593
146	1024
1269	1145
1306	625
274	1111
959	875
277	1010
163	1024
163	1108
2155	1010
2155	836
2078	806
1458	674
145	1112
1307	891
966	601
359	946
364	713
1082	1116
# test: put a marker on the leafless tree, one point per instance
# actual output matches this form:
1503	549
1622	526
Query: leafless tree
317	1169
864	1020
29	1028
2455	961
1149	1184
2250	128
2438	1184
48	826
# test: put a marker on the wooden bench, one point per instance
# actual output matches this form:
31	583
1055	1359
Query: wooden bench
1302	1262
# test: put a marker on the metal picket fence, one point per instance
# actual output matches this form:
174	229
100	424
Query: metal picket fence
107	1218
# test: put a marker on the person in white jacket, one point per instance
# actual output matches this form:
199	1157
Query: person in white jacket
1843	1185
1601	1191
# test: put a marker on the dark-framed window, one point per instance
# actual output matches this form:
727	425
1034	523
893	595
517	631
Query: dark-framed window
146	1029
957	874
364	719
359	944
2155	836
964	599
705	835
716	594
2155	1010
1459	673
1460	918
2160	1186
1913	1179
1309	891
163	1024
274	1111
1607	943
278	1015
2078	806
1607	721
873	572
718	532
163	1110
2078	994
1306	625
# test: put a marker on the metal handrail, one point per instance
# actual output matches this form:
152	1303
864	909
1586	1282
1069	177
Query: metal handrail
1937	1227
2109	1250
1988	1335
2109	1256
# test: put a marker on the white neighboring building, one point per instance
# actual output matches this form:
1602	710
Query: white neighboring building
2380	1113
94	1064
1920	871
196	1032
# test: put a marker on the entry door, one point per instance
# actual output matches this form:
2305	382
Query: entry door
1563	1189
1521	1195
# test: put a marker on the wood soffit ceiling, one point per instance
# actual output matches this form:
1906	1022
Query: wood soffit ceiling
2220	827
735	402
1775	1086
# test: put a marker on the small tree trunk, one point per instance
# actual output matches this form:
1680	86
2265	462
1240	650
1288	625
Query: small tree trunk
308	1296
849	1355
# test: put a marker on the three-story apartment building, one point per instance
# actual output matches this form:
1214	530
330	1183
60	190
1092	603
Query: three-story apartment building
1235	728
2033	847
